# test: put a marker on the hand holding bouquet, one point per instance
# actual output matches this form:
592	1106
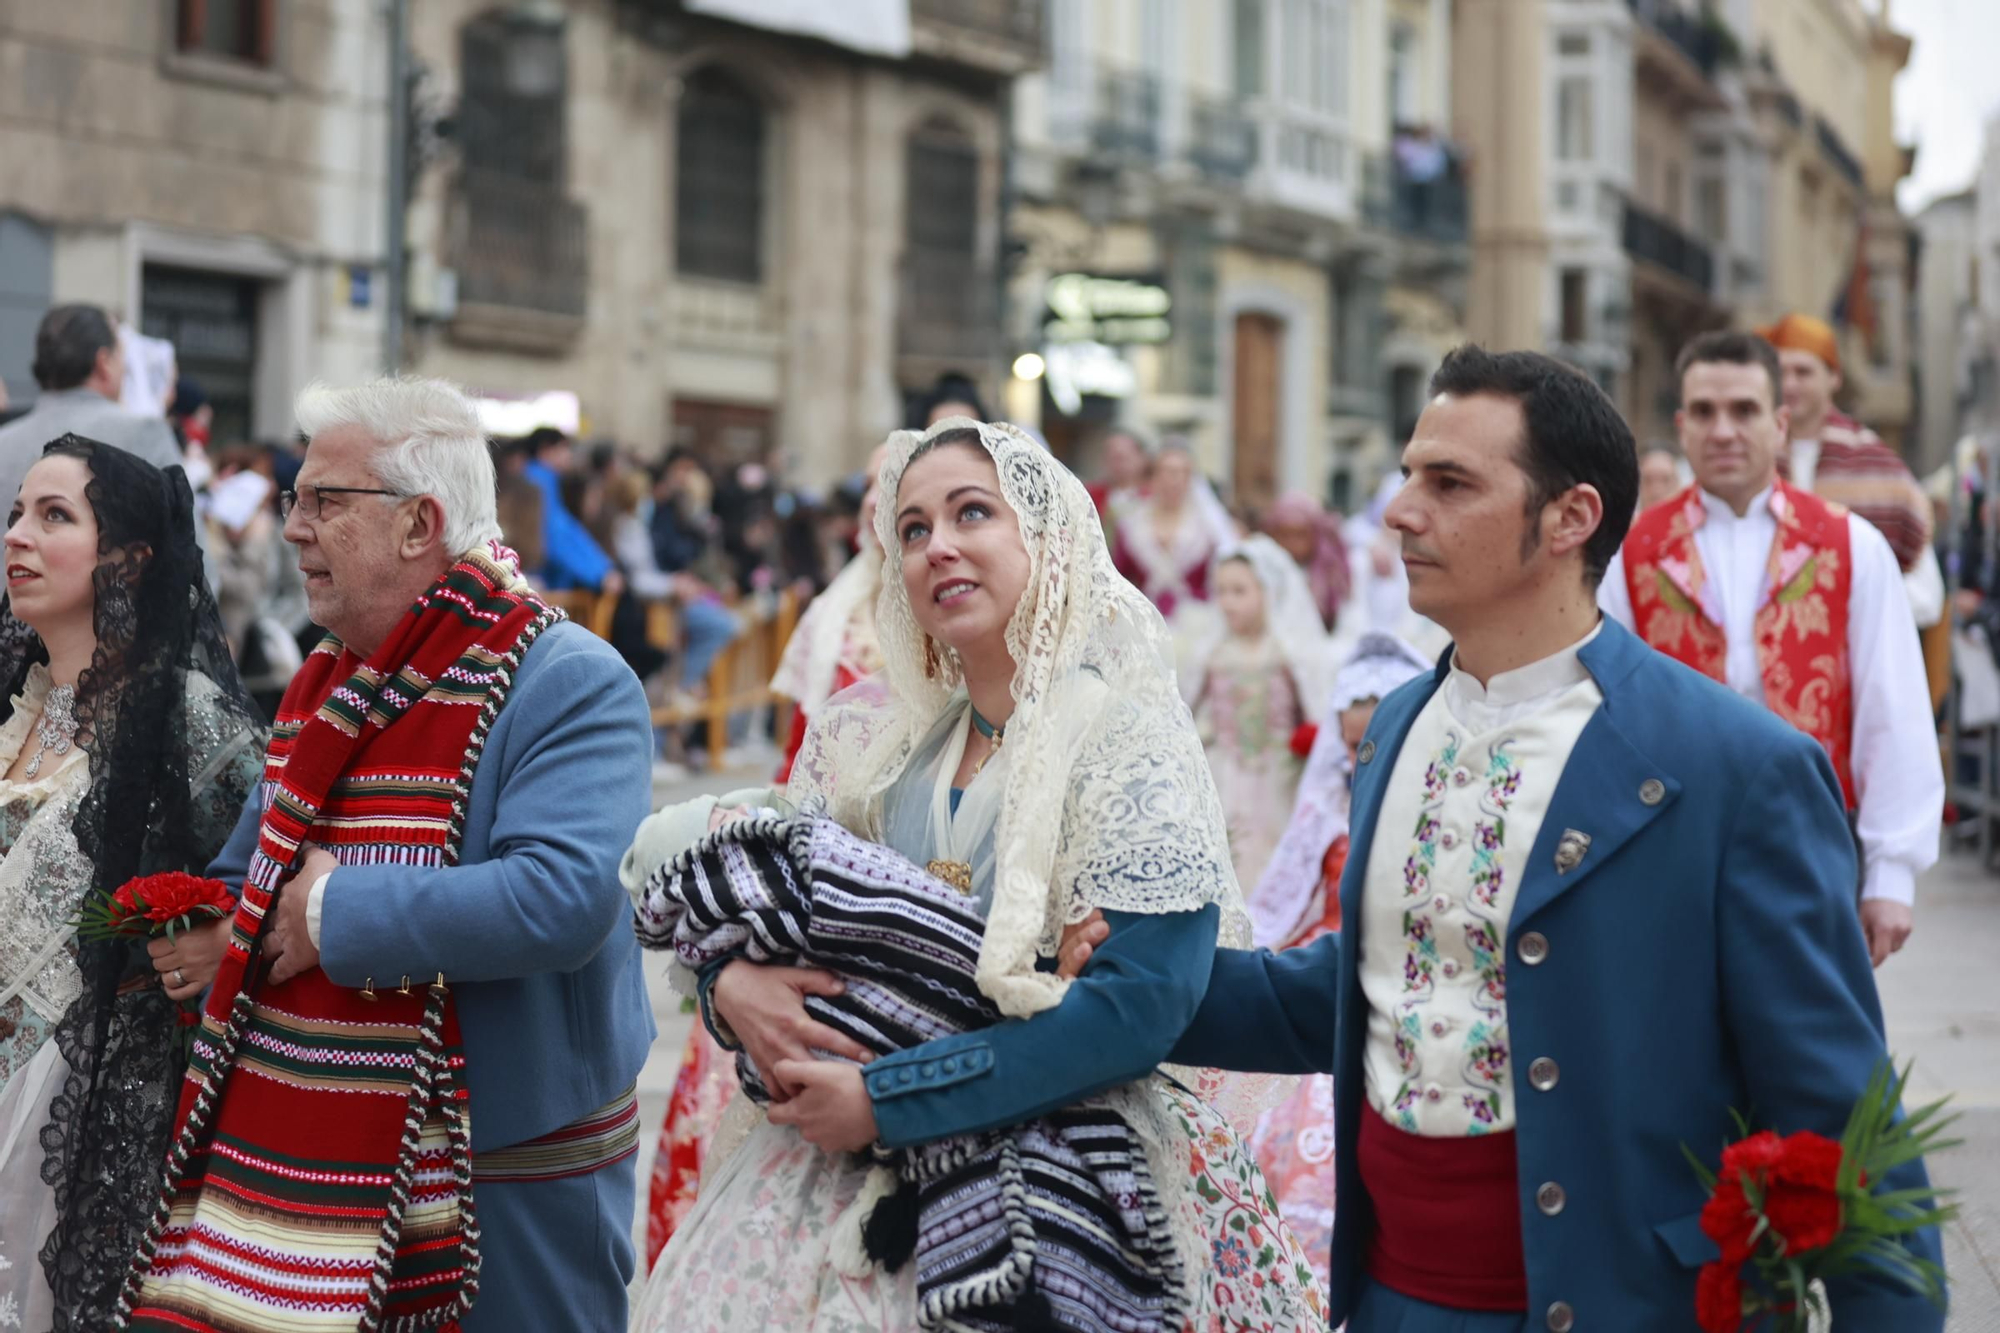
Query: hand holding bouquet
153	906
1792	1213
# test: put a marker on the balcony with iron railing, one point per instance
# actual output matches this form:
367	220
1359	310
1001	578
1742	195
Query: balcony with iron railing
1653	239
522	258
1222	141
1703	37
1125	118
1412	200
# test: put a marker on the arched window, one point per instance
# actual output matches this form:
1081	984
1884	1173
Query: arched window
719	180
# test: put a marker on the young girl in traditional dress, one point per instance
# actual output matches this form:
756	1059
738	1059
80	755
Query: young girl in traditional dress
1296	901
1027	743
1255	680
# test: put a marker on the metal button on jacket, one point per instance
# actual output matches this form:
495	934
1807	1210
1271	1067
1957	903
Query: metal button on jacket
1561	1318
1652	791
1543	1073
1550	1198
1366	752
1533	948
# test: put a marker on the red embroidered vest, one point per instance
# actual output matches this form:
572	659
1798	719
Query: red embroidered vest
1801	627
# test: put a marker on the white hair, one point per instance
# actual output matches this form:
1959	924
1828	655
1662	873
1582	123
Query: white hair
430	443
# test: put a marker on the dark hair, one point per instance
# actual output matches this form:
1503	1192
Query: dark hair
953	387
1732	348
1572	436
543	438
67	343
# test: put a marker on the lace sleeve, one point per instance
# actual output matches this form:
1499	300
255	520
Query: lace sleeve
1142	825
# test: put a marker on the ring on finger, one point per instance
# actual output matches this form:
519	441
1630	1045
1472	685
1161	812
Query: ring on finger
180	977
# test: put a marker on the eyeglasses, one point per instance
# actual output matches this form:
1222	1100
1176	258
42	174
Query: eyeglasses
309	499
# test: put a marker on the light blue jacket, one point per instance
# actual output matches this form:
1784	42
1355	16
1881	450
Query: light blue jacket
1705	955
531	929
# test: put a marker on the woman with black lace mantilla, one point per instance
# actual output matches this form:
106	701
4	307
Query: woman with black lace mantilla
127	748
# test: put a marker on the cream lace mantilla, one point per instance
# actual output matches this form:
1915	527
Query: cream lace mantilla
1107	800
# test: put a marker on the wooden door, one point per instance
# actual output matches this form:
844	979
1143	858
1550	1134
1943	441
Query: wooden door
1256	411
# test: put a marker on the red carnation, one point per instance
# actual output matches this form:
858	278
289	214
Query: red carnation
1718	1298
1756	1154
1303	737
1727	1218
1804	1219
173	895
1808	1159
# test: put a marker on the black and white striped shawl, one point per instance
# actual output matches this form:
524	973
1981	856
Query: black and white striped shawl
1052	1224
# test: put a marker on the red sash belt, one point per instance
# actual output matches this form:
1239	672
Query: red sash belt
1447	1217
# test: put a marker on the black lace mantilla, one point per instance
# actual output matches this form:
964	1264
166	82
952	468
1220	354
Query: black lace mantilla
158	636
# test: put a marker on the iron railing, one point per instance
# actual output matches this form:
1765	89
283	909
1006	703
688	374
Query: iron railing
1125	114
1656	240
945	306
1437	209
1222	139
522	245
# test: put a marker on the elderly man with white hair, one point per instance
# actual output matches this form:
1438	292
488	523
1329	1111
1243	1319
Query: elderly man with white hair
429	999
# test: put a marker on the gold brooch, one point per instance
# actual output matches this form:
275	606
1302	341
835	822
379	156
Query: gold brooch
958	874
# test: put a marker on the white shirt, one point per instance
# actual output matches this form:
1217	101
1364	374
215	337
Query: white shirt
1460	813
1923	585
1898	779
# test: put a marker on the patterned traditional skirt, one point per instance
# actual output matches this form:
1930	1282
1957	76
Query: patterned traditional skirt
753	1255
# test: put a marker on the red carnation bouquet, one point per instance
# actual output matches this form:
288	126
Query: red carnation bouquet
155	905
1792	1213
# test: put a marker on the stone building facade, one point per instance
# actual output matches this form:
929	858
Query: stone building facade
751	242
219	184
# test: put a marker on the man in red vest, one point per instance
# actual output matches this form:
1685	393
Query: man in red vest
1794	602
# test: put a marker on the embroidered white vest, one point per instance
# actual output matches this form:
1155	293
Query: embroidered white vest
1459	816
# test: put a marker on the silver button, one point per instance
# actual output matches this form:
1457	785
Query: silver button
1652	791
1561	1318
1366	752
1543	1073
1533	948
1550	1198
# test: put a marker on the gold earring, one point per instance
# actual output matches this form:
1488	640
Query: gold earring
931	662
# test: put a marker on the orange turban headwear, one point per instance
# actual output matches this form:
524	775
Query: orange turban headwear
1803	333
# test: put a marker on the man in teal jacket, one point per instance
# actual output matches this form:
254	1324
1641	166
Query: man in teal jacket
1595	903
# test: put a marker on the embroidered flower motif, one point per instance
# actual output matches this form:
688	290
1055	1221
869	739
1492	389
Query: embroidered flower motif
1232	1257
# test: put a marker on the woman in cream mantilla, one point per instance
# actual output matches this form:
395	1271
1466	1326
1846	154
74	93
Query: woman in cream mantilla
1026	741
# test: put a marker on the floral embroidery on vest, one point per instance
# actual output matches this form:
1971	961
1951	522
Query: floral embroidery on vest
1420	951
1485	1064
1800	630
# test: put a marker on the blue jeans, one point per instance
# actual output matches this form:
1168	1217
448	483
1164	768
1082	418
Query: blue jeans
707	627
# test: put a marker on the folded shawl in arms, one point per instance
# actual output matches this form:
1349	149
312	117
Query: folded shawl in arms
1054	1224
